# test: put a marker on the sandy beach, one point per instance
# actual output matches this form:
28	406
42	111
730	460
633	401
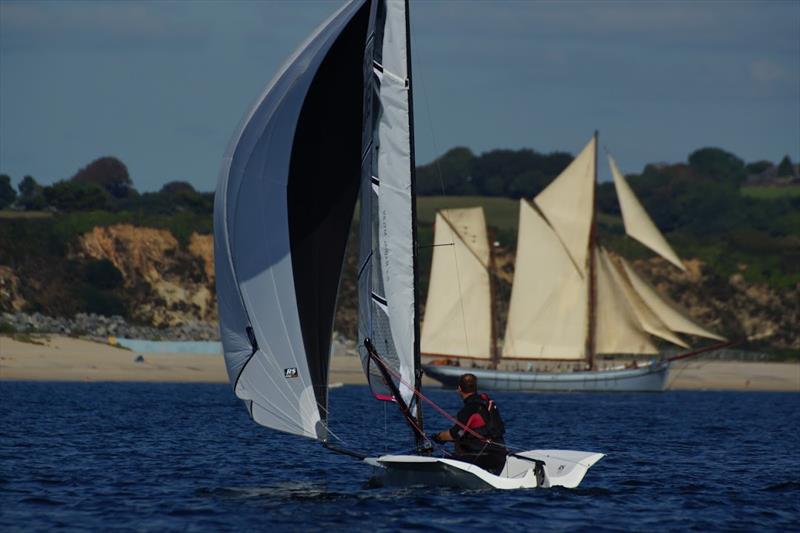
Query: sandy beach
58	358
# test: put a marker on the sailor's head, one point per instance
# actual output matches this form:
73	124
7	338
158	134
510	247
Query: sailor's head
467	384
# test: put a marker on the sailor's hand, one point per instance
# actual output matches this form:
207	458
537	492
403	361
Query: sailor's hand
435	438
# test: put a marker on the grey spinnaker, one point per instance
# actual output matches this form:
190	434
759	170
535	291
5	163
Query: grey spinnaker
281	221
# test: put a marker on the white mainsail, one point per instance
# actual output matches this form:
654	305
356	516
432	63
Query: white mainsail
458	308
386	277
638	223
282	212
669	312
547	315
568	204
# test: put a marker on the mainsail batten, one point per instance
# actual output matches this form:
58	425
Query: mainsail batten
276	348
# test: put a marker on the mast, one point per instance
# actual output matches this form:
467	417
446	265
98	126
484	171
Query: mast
592	319
412	159
495	355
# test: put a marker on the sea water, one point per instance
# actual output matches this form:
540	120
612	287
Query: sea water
98	456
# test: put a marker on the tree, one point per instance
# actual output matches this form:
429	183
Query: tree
76	196
718	164
108	173
177	187
785	168
31	194
7	192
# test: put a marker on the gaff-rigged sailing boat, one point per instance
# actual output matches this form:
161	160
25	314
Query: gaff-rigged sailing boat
336	119
570	301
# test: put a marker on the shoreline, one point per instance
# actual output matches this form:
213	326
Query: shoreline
60	358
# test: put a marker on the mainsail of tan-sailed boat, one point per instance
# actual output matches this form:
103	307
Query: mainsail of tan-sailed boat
571	300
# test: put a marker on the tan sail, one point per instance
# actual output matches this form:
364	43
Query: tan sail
648	320
665	309
547	314
567	204
618	329
638	223
458	308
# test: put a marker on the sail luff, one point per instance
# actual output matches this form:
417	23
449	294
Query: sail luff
638	223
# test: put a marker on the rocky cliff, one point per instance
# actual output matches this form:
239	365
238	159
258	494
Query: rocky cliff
167	283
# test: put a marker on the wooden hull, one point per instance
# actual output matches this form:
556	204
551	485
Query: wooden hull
648	378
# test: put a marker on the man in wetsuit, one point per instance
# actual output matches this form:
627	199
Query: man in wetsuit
482	417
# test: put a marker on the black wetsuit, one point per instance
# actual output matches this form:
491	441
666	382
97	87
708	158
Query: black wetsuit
476	416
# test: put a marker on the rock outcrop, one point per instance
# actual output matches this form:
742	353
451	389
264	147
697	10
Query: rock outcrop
166	284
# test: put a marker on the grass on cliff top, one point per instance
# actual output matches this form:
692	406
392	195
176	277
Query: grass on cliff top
767	192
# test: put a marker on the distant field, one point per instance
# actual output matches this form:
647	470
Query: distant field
502	213
9	213
764	192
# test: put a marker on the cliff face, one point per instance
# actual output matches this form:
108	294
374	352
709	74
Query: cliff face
165	283
730	306
169	284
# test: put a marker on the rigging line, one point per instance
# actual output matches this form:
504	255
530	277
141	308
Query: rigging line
430	122
437	245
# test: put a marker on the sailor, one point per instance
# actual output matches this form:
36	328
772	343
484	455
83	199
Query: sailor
482	417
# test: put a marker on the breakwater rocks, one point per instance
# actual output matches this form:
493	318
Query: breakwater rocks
98	326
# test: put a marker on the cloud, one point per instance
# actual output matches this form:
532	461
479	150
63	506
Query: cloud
98	26
769	72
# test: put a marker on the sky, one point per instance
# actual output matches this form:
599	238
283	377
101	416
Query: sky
162	85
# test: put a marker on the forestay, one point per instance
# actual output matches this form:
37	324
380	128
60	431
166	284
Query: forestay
282	213
386	281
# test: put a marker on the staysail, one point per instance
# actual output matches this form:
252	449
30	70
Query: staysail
387	256
638	223
458	314
282	213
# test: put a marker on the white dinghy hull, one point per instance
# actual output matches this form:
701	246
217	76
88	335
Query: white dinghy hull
562	468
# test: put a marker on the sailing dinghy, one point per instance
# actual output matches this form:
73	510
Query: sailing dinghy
336	122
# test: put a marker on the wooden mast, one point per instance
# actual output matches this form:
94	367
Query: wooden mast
495	355
592	278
